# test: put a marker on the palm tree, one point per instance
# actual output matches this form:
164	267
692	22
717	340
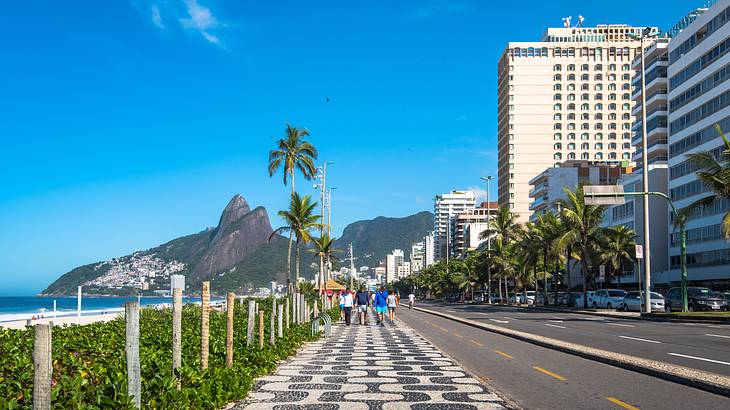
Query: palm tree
465	275
714	172
299	220
293	152
324	247
505	228
617	248
546	232
583	230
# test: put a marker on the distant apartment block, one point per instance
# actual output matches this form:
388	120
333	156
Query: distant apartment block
446	208
417	257
565	97
471	223
392	261
548	186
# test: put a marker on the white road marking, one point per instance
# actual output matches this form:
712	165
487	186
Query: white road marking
484	313
558	326
499	321
640	339
556	321
559	318
620	324
722	336
699	358
451	311
520	313
509	318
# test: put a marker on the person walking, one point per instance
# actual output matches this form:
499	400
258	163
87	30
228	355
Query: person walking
362	301
392	304
347	303
381	305
341	298
411	300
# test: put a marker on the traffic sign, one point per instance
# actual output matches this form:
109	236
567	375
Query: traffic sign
602	273
639	251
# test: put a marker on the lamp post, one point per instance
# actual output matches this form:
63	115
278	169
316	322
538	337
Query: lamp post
322	186
489	240
645	33
614	195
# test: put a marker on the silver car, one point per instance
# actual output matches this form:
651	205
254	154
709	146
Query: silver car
632	303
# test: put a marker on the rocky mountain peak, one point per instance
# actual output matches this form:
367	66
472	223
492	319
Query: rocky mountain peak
236	209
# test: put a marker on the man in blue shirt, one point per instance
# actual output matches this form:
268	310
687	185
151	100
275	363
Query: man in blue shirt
362	301
381	305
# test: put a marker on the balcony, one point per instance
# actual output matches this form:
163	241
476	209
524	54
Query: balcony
538	189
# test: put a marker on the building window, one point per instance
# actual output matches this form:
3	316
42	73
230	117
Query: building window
557	107
625	136
598	126
557	136
557	97
612	145
557	155
612	126
598	77
571	107
571	77
585	126
585	106
558	126
584	97
557	77
599	67
626	86
598	145
571	67
585	155
612	97
571	155
557	87
598	116
585	77
598	155
611	155
598	136
626	77
557	67
612	77
598	97
585	116
626	67
571	97
584	146
626	155
612	67
598	107
626	96
558	117
612	107
625	116
571	146
571	87
585	87
571	116
584	67
612	87
598	87
558	146
626	145
585	136
571	136
571	126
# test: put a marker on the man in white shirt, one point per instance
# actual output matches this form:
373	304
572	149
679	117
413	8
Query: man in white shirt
411	300
347	302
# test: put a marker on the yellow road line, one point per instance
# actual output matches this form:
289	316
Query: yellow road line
621	403
503	354
549	373
458	335
476	343
443	329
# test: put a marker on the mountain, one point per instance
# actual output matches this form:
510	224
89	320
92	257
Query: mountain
236	255
373	239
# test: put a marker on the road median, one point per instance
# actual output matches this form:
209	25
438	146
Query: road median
707	381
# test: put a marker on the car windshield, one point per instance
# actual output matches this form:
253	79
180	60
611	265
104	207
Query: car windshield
632	295
655	295
616	293
700	292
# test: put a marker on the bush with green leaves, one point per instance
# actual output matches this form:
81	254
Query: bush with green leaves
89	365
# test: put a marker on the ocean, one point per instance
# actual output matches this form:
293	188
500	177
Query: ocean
25	307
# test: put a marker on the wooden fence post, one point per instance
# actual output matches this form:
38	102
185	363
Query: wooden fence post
251	319
42	367
205	325
286	311
261	329
272	327
131	347
295	308
230	307
306	311
280	321
176	333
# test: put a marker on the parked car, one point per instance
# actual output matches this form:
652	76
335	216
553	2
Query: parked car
579	299
698	298
608	298
530	297
632	303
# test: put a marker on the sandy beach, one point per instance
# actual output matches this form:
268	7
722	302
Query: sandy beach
61	321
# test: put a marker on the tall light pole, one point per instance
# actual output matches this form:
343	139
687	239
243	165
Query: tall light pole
329	210
322	186
645	33
489	240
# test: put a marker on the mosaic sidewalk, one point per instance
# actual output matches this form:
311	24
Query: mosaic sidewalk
370	367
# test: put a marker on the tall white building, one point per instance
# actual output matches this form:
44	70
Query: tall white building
428	250
565	97
418	257
446	207
392	261
699	98
404	270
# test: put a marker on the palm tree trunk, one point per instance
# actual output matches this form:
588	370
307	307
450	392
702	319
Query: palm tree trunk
545	263
506	289
297	263
584	269
321	279
499	283
288	260
537	286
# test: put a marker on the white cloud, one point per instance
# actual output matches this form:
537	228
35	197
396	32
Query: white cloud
201	19
156	16
481	193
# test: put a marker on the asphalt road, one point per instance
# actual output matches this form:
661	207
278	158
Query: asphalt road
535	377
699	346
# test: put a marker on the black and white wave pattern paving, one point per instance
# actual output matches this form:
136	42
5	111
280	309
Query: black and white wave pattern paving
370	367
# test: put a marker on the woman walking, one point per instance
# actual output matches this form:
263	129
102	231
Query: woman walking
392	304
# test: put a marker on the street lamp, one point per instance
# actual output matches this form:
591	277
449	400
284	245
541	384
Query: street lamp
489	240
647	32
615	195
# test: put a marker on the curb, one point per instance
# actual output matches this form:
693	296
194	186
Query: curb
700	379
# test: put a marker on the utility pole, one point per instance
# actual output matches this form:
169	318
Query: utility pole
322	186
352	267
329	210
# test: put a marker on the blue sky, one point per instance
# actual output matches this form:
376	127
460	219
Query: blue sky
124	124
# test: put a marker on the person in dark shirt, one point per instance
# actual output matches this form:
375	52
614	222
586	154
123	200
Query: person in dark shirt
381	305
362	301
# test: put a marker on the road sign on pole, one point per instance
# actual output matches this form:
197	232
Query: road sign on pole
639	251
602	273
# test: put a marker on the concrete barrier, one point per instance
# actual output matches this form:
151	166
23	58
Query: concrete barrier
708	381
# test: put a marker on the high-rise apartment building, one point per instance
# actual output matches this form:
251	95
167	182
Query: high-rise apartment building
445	209
418	257
565	97
698	100
428	250
392	261
472	220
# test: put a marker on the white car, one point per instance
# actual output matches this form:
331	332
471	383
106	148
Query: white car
632	304
530	297
579	300
608	298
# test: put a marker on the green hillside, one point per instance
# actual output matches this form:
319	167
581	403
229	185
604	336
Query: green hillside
375	238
